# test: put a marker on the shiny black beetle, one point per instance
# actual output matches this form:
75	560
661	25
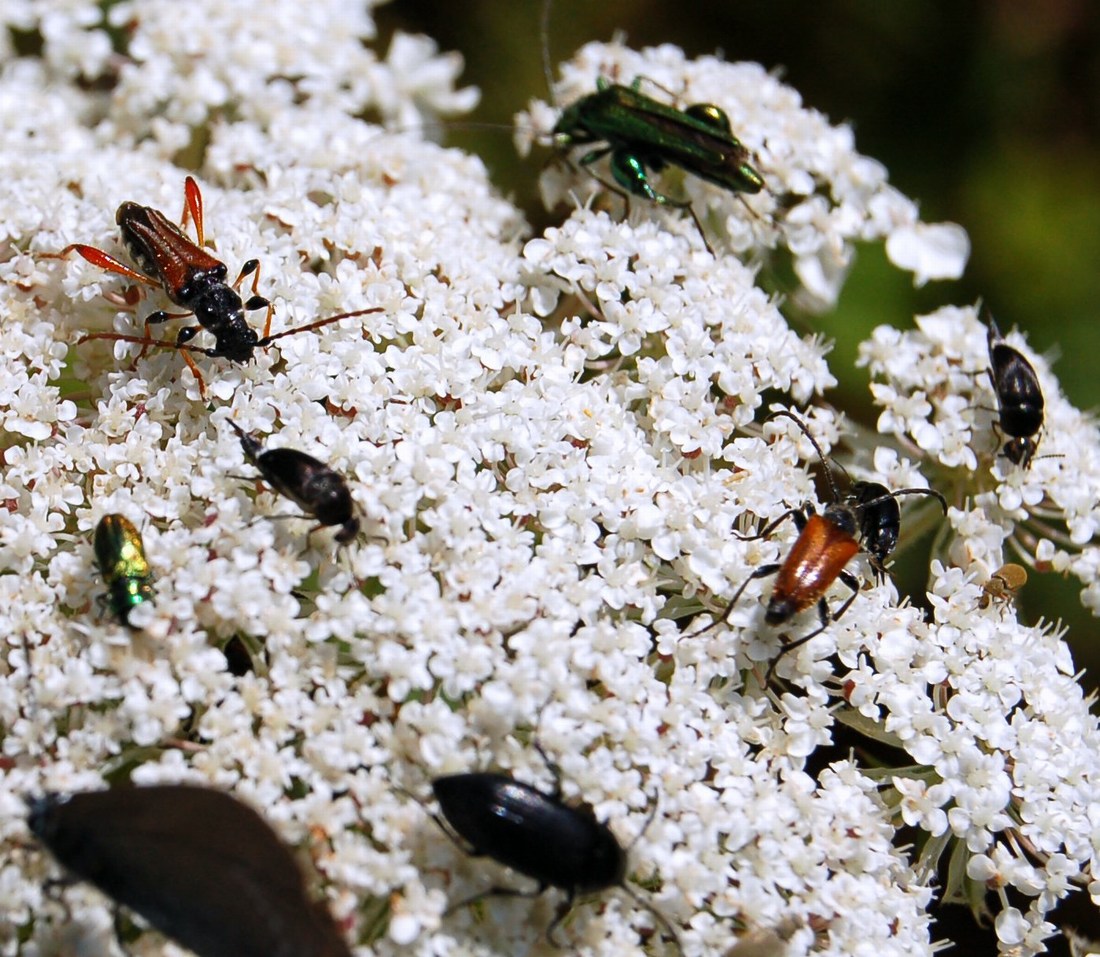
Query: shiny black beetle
312	485
1019	397
535	833
879	522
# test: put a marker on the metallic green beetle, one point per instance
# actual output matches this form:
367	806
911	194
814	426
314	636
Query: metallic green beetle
121	558
642	134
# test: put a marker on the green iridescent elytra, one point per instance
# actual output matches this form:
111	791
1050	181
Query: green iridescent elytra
121	559
642	134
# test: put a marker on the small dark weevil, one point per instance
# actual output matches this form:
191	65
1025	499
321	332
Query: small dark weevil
310	484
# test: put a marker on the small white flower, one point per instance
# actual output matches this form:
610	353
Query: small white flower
929	251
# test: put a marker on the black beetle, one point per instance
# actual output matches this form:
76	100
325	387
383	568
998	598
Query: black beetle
537	834
1018	395
879	522
310	484
201	867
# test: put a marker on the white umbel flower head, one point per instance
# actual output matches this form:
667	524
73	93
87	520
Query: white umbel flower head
555	445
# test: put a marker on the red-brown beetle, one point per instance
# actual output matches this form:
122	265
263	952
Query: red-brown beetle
825	545
193	280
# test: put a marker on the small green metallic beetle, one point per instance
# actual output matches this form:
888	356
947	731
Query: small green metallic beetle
642	134
121	559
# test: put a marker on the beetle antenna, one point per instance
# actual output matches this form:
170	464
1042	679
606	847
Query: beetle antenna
994	331
663	922
653	802
28	685
264	342
825	462
442	824
544	31
907	491
552	766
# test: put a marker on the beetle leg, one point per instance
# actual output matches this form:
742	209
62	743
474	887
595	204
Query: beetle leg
252	268
155	318
699	226
122	928
762	572
589	158
798	515
878	568
563	908
195	371
163	343
630	173
622	185
192	207
823	609
662	922
636	85
152	319
853	583
274	518
827	618
497	892
97	257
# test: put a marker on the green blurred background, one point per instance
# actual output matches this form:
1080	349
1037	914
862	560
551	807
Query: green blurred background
986	112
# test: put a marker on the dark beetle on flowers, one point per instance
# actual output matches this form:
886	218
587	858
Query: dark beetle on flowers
312	485
535	833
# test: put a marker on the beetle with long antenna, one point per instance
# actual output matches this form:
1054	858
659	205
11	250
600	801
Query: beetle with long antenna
639	134
867	517
194	280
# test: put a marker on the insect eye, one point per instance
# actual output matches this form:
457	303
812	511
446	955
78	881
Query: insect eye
710	114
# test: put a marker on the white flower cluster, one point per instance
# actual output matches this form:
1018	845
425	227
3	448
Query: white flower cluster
173	69
821	196
551	446
935	391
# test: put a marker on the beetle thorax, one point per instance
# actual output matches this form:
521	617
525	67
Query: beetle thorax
842	517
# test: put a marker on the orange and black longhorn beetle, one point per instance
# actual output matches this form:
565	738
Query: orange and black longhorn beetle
825	545
193	280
